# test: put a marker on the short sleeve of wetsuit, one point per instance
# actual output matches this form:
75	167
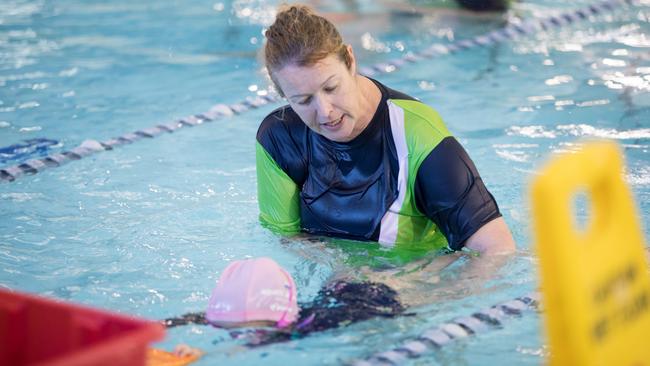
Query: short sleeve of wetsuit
449	190
278	195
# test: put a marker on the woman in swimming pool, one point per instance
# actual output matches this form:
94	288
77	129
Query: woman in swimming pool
349	157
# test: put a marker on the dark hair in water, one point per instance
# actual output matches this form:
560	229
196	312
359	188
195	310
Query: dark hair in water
337	304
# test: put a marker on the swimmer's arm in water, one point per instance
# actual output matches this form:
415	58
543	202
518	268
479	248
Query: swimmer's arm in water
313	250
443	278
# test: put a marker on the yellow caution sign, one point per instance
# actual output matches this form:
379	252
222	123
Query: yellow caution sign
595	282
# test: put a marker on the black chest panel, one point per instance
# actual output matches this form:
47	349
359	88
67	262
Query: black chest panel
345	188
349	186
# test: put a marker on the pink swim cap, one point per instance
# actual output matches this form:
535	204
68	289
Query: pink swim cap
253	290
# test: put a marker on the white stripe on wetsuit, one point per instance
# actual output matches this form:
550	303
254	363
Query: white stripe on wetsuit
390	221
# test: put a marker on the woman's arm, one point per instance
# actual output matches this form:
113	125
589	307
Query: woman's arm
277	194
492	238
450	191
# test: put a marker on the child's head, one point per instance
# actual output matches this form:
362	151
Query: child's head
253	291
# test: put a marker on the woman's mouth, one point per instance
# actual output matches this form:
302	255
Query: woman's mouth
332	124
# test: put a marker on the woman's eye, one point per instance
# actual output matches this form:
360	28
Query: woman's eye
330	89
305	101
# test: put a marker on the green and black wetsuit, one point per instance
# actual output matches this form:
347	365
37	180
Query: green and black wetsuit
403	180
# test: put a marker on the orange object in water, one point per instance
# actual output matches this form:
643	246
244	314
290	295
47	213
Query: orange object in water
157	357
39	331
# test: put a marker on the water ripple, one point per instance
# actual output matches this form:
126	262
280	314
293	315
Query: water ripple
639	178
516	156
619	80
578	130
21	197
10	11
255	11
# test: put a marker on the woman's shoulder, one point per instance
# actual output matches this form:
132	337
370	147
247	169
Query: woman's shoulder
420	119
415	110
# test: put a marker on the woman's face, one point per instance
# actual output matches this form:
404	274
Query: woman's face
326	96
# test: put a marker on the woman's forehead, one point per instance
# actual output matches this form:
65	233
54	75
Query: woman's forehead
294	78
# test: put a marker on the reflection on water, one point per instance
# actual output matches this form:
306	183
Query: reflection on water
579	130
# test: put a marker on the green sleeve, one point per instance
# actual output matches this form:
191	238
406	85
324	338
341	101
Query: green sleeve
277	194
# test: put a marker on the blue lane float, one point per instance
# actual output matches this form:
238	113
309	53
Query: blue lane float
439	336
25	149
512	31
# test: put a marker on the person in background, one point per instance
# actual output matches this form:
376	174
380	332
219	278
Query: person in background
485	5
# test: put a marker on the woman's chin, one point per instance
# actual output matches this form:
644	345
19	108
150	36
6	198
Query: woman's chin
338	136
338	133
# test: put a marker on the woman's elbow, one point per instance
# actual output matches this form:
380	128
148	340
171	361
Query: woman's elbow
492	238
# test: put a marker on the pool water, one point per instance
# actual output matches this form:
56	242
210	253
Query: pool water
145	229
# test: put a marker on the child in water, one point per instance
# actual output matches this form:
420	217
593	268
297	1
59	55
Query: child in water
260	293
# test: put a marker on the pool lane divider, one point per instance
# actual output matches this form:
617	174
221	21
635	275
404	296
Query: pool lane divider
90	147
510	32
525	28
439	336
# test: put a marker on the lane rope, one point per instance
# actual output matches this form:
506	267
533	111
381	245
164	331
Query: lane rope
439	336
219	111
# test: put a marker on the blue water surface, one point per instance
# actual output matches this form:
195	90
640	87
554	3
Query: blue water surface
145	229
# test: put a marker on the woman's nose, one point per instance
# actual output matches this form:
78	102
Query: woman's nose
323	108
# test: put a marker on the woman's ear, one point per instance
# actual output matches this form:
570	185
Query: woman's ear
353	60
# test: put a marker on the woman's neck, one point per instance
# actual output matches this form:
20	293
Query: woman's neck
369	98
